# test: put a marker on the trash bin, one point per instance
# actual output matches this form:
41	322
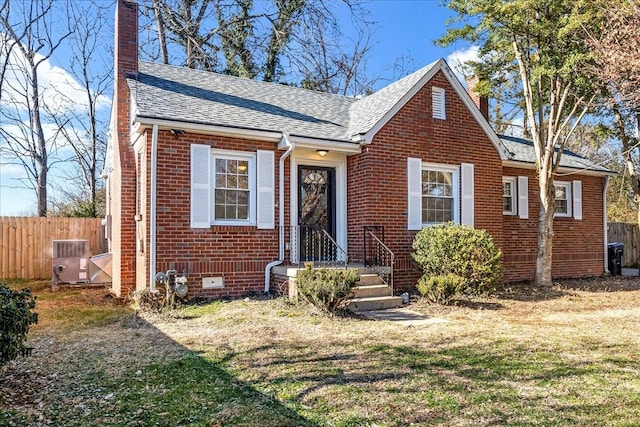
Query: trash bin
614	255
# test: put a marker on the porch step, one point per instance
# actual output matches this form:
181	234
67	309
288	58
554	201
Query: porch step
370	291
369	279
374	303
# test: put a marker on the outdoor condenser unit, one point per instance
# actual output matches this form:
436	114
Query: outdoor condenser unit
70	261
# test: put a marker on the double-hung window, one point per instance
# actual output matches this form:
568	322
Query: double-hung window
439	194
509	197
563	199
233	188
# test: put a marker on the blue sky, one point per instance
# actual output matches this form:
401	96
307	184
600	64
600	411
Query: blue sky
404	29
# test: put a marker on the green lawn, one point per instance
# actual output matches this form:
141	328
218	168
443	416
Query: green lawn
567	356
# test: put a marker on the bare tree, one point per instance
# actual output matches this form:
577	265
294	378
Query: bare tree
329	61
35	35
617	69
299	39
81	126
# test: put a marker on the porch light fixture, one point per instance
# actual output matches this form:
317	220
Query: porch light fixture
322	153
177	132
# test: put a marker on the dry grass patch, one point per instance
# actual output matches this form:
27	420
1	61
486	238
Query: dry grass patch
562	356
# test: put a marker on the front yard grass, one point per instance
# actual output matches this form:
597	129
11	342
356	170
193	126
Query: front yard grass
562	356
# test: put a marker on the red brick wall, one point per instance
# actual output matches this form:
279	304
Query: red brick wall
578	249
377	178
238	253
122	180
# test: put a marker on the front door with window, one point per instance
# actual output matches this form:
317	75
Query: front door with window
316	205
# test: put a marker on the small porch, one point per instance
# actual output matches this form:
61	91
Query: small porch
300	245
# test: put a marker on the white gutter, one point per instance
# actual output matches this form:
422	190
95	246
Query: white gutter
562	169
253	134
153	200
267	271
606	226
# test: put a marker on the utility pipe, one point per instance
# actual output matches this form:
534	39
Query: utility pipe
606	226
267	271
153	201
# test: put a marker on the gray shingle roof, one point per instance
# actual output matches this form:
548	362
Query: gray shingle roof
200	97
182	94
523	151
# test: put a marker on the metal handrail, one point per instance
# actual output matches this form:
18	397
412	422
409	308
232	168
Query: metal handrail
383	262
319	246
338	247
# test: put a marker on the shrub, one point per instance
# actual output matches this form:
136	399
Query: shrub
440	289
148	301
461	250
15	318
326	289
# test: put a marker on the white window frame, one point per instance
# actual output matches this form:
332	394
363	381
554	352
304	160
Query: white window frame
567	186
514	195
250	157
438	103
455	178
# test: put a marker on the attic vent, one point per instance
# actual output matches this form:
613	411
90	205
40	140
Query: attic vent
438	106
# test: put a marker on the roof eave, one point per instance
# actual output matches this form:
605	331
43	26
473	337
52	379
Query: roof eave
210	129
561	169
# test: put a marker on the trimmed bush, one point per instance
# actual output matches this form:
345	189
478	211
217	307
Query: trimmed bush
441	289
326	289
15	318
461	250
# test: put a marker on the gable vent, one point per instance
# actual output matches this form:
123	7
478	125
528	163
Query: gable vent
438	104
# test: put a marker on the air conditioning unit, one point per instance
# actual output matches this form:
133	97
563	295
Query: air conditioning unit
70	261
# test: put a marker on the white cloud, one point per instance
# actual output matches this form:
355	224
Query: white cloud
458	61
58	89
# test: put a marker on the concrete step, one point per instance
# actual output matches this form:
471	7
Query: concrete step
369	291
374	303
369	279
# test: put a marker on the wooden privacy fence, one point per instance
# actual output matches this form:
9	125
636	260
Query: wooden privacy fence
25	243
629	234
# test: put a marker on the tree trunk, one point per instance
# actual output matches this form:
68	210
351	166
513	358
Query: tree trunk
544	256
40	144
162	40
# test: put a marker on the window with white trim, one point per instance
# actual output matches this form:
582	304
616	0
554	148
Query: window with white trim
233	187
440	194
509	196
438	103
562	207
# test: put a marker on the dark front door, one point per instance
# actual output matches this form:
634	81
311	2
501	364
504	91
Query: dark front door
316	210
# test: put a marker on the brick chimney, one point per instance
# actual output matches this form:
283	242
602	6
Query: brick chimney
122	183
481	102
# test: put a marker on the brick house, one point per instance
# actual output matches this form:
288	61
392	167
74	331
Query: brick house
225	179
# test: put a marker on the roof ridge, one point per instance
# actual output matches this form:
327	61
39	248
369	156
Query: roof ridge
251	81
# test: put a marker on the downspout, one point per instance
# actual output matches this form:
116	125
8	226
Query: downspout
153	199
606	226
267	271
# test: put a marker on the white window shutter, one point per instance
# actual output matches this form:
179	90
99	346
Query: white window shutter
438	103
523	197
466	193
414	191
265	217
577	199
200	186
